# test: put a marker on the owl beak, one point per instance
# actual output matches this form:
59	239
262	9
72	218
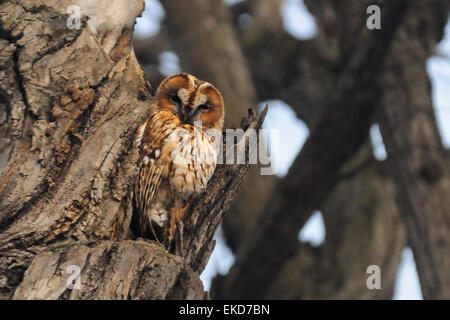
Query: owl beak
187	114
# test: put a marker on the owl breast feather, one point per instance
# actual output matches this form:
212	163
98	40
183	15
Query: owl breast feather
194	158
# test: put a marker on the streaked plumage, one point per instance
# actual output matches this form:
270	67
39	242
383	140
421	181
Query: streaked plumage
177	158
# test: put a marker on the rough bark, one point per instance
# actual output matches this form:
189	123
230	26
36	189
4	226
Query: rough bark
71	101
109	270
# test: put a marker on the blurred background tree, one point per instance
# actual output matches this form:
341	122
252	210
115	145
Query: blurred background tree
337	91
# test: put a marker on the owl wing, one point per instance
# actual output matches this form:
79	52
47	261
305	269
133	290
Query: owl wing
145	189
154	163
147	184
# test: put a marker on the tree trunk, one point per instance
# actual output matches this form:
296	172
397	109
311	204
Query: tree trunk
417	158
71	100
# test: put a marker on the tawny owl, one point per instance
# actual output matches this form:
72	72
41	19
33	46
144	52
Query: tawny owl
178	145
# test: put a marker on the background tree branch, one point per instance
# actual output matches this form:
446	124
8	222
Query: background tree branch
315	171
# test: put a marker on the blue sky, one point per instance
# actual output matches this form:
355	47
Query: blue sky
300	24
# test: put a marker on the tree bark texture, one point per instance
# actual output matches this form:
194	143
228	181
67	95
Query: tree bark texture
71	100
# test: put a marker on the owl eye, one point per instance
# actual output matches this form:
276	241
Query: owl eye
174	98
204	107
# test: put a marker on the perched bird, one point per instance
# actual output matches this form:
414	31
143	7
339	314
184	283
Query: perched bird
178	146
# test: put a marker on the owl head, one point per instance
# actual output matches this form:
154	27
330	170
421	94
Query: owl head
191	100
